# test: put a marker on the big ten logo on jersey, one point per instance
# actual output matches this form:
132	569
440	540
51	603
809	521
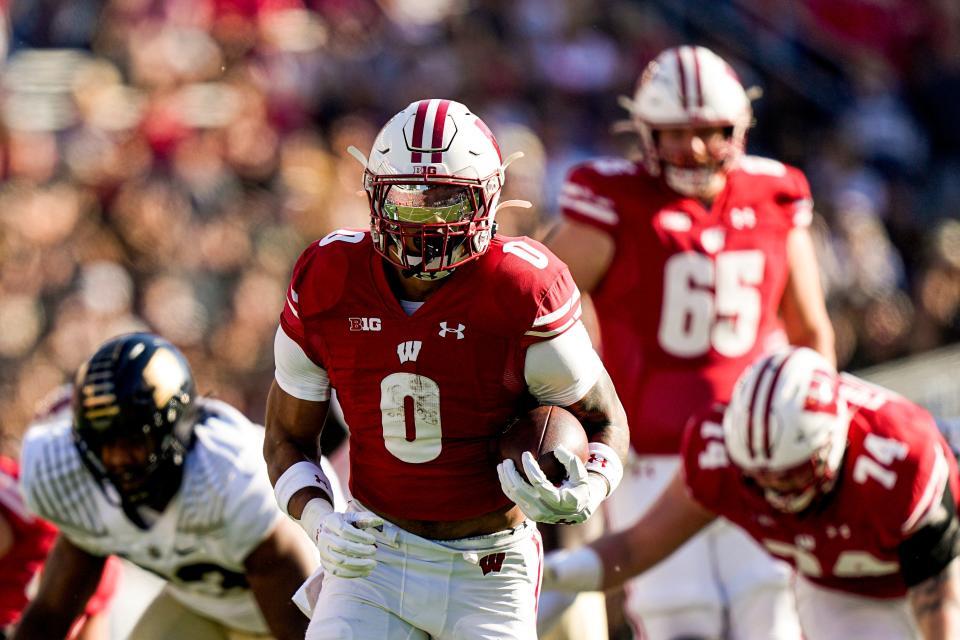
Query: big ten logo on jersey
714	454
711	302
424	169
364	324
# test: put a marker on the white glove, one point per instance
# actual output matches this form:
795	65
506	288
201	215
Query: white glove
572	502
346	550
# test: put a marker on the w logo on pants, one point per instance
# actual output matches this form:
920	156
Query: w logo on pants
492	562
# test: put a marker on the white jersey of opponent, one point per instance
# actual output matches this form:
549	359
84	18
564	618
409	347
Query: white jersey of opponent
225	508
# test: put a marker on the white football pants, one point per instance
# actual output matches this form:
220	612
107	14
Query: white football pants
827	614
482	588
720	584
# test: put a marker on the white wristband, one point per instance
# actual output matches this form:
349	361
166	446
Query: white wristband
605	461
312	517
577	570
296	477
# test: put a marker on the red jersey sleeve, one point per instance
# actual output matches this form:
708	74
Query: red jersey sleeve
929	470
581	199
559	309
796	199
787	186
290	316
318	280
903	464
706	466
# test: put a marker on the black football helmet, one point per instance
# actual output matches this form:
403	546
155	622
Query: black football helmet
135	392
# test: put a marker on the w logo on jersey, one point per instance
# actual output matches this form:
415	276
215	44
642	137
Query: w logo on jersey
492	562
409	350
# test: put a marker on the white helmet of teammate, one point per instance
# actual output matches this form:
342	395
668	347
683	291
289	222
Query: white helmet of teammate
786	427
433	180
691	87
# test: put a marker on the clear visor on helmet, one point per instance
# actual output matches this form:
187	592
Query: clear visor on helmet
430	227
428	203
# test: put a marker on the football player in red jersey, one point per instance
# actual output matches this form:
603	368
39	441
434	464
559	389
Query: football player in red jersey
697	259
434	331
849	482
25	542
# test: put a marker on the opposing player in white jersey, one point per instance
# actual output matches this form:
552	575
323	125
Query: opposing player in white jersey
174	483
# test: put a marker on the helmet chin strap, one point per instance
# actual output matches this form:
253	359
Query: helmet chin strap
417	270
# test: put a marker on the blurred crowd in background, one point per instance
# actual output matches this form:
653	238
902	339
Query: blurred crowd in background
165	161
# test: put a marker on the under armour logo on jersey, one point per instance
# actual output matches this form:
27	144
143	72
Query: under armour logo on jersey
364	324
409	350
743	218
444	330
492	562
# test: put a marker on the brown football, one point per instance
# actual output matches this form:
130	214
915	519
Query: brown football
540	431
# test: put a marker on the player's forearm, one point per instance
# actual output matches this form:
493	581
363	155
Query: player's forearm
629	553
39	623
275	570
292	431
69	579
803	309
673	519
602	416
936	604
604	564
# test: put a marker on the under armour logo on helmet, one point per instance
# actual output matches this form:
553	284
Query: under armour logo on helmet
444	330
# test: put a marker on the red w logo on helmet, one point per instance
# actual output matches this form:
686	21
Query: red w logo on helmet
822	395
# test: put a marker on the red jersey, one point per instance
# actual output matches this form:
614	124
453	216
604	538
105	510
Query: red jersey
895	467
424	395
691	296
32	540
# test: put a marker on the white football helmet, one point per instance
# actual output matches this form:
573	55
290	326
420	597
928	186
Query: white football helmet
690	87
786	427
433	179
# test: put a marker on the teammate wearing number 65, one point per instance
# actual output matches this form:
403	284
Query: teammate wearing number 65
697	259
434	331
849	482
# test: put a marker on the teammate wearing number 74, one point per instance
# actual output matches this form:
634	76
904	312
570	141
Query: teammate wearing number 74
851	483
434	331
698	259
